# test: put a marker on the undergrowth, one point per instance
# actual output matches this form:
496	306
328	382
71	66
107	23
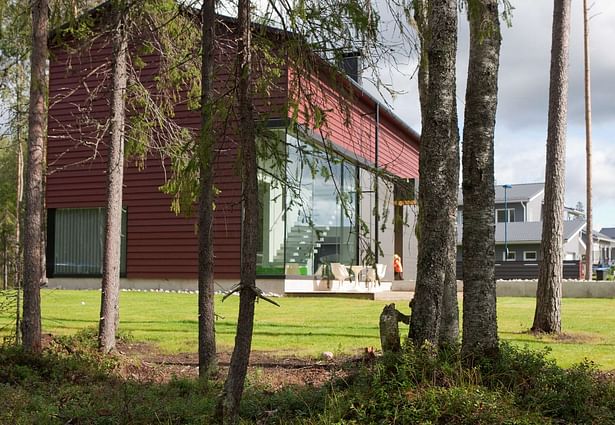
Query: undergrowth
520	387
71	383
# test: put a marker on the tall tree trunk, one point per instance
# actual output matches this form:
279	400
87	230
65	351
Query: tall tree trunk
449	322
5	261
207	335
480	336
17	253
228	408
547	317
422	27
588	146
18	244
109	305
37	118
436	199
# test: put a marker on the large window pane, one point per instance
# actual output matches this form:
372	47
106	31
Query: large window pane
271	231
79	240
300	232
349	239
321	213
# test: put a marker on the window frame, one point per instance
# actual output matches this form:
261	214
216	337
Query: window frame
513	253
509	214
530	259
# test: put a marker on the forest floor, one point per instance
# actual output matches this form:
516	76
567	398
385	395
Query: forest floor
145	362
143	384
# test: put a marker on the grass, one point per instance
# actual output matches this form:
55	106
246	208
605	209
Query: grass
309	326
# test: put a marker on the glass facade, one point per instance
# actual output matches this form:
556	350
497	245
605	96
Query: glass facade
311	220
272	230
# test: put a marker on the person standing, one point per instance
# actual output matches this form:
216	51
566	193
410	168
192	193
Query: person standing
397	267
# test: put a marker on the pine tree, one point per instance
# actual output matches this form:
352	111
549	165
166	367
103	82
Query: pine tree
547	317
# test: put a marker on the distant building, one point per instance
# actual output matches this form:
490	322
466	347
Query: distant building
518	216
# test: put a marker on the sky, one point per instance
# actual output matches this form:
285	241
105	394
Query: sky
521	122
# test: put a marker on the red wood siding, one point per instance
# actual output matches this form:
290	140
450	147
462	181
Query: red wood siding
159	243
350	122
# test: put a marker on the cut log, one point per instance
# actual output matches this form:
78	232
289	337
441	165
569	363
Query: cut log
389	329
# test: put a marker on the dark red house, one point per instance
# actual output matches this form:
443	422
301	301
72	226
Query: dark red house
303	228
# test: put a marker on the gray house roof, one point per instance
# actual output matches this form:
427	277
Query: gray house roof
528	231
522	192
603	237
608	231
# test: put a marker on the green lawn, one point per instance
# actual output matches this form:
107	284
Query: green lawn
309	326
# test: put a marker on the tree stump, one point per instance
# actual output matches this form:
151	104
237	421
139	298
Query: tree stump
389	329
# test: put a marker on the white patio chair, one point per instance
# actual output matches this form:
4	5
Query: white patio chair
340	273
375	275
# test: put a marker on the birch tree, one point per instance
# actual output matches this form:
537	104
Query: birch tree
437	202
448	331
479	298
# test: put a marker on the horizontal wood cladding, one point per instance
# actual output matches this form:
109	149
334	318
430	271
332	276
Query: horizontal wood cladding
350	120
159	244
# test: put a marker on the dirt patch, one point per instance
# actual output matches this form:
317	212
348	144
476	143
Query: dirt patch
563	338
145	363
576	338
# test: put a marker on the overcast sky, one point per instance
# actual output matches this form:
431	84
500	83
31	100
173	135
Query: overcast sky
521	127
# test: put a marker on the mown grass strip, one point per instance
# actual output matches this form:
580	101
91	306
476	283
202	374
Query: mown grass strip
308	326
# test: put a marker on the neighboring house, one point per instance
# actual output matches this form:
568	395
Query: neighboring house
520	202
158	246
608	231
522	205
604	246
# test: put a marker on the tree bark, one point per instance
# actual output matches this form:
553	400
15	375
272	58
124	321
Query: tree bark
207	335
5	261
547	317
588	145
228	406
436	199
421	20
33	272
449	321
389	328
17	258
109	306
480	337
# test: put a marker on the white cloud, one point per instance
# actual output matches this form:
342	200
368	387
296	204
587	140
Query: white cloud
523	96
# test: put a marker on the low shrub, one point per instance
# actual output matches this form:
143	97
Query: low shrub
520	387
575	395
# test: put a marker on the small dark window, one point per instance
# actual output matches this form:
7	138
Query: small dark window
530	256
501	215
